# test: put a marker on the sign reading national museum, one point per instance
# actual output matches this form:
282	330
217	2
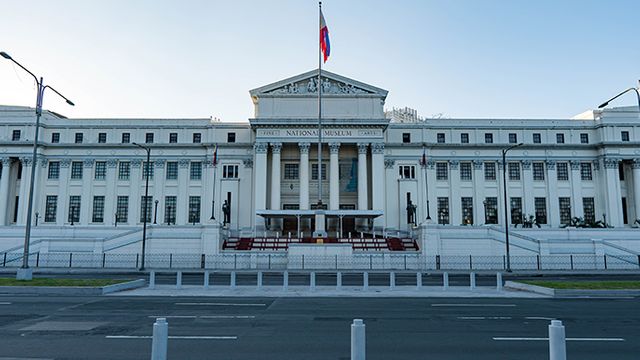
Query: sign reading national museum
328	133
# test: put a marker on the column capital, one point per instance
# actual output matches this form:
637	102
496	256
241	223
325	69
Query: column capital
5	161
276	147
183	163
44	161
610	163
304	147
636	163
526	164
388	163
26	161
377	148
596	164
551	164
477	164
362	148
159	163
248	162
88	163
575	165
260	147
136	163
112	163
334	147
431	164
453	164
65	163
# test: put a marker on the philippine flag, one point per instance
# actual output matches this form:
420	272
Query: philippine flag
324	38
215	156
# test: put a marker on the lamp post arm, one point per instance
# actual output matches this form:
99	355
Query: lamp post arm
22	67
59	94
617	96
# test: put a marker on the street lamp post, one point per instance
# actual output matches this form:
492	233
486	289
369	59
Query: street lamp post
25	273
504	192
155	213
146	203
622	93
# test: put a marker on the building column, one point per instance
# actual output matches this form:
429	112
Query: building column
158	188
39	196
334	176
259	182
500	195
86	201
24	190
528	203
553	206
478	193
378	183
576	190
4	190
636	189
276	149
62	211
110	195
363	202
182	201
455	205
304	175
614	197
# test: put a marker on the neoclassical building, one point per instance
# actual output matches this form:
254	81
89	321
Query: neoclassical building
437	182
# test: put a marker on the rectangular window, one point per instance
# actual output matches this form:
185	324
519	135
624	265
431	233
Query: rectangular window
443	210
467	210
407	171
565	210
74	209
231	172
197	138
560	138
589	209
170	209
624	135
194	209
537	138
621	171
148	201
172	170
291	171
54	170
15	136
442	171
516	210
538	171
98	209
488	138
540	204
514	171
490	171
76	170
79	138
490	210
584	138
440	138
464	138
122	209
585	171
148	138
513	138
126	138
562	169
102	138
101	170
124	170
314	171
231	137
465	171
173	138
195	172
406	138
55	138
147	167
51	208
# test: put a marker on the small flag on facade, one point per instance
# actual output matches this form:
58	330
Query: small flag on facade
423	161
215	156
325	46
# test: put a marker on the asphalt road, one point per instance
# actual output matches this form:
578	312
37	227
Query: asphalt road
314	328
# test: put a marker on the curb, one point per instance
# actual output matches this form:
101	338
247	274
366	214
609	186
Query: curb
518	286
72	290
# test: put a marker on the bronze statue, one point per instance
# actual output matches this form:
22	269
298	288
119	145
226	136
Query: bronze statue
226	210
411	212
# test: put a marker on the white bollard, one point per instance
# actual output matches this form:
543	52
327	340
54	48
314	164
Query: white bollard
361	235
159	341
358	340
349	234
152	280
179	280
392	280
259	280
557	341
206	279
285	281
418	281
233	279
338	280
445	280
365	281
499	281
312	281
472	281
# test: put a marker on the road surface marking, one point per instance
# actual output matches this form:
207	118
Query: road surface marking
474	305
202	316
539	318
5	303
173	337
547	339
217	304
484	317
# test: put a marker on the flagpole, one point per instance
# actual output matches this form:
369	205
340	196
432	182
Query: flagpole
319	106
213	202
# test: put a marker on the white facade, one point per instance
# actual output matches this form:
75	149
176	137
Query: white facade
587	168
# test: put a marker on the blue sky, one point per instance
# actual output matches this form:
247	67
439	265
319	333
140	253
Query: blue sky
461	58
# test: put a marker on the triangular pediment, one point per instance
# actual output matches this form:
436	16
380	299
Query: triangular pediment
307	84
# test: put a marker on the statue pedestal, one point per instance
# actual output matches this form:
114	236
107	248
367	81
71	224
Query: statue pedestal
320	231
